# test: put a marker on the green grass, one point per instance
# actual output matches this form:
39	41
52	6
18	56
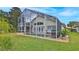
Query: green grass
21	43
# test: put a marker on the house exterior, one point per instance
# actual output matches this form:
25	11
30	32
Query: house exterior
74	29
33	22
77	28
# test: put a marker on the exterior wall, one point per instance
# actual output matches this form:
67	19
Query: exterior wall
28	16
58	25
49	23
20	24
35	27
77	28
46	23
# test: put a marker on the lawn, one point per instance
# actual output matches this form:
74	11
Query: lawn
15	42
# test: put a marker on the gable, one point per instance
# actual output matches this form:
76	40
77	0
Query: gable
43	20
32	16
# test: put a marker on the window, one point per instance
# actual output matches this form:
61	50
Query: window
54	28
34	23
38	23
39	29
19	20
27	23
34	29
22	28
50	28
22	17
23	20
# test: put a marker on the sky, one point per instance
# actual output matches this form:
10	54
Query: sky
64	14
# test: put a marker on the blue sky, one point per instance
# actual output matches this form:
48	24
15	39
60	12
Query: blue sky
65	14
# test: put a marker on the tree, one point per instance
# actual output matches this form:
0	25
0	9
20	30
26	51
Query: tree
4	25
73	23
13	16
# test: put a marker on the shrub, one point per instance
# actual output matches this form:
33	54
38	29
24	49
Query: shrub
5	43
4	26
64	32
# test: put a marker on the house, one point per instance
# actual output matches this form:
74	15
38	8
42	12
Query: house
77	28
73	26
73	29
32	22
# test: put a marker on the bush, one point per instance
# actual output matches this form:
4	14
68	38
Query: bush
64	32
5	43
4	26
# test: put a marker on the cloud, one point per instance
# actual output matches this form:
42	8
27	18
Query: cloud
68	12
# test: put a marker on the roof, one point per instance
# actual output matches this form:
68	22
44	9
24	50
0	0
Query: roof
42	13
39	12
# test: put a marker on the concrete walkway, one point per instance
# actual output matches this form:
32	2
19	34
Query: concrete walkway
47	38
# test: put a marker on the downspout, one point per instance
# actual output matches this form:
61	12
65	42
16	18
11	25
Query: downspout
45	26
36	26
56	28
21	25
30	23
25	26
